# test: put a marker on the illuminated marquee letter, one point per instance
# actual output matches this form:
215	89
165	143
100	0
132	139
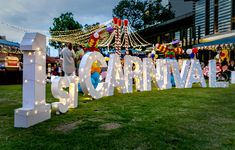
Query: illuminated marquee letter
85	75
166	75
149	74
115	76
155	74
73	91
212	76
180	78
67	99
35	109
159	73
57	89
195	75
133	73
232	77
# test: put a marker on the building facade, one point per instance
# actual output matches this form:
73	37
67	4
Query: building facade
215	27
181	28
177	6
214	17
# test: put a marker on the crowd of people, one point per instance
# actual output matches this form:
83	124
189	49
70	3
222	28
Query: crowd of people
226	68
223	69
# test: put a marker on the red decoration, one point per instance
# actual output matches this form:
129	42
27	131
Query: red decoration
115	20
164	49
222	54
91	49
93	41
195	50
125	22
119	22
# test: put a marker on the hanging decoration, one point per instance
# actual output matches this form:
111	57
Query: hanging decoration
171	49
125	23
115	22
92	44
224	54
119	36
117	29
111	36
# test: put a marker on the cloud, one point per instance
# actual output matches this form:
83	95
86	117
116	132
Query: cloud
39	14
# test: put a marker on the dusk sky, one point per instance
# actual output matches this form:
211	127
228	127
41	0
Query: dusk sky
37	15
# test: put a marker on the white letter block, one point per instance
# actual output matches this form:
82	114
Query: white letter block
57	90
130	74
180	78
167	75
149	74
35	109
232	77
160	75
66	99
115	77
73	91
85	75
212	76
195	75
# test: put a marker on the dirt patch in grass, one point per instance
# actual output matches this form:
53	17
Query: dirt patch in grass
110	126
68	126
96	119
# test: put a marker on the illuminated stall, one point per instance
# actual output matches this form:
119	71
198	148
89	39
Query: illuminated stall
10	62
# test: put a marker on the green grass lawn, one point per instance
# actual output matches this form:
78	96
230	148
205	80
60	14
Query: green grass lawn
171	119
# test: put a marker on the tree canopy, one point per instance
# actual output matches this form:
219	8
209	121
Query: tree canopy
132	10
142	13
63	23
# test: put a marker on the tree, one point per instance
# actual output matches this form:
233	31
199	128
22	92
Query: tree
133	10
152	13
167	13
88	26
63	23
143	13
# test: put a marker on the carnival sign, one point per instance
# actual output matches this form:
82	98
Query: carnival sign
36	110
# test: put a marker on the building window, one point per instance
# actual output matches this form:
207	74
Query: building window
177	35
207	30
233	14
216	14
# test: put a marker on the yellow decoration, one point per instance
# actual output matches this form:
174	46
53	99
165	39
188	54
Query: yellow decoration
96	64
106	58
156	56
225	51
95	69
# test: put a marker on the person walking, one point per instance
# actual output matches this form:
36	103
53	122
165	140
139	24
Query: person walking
68	55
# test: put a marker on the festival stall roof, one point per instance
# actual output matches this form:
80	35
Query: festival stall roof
9	43
226	40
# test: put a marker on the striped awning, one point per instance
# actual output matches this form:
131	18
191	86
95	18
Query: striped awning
227	40
9	43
